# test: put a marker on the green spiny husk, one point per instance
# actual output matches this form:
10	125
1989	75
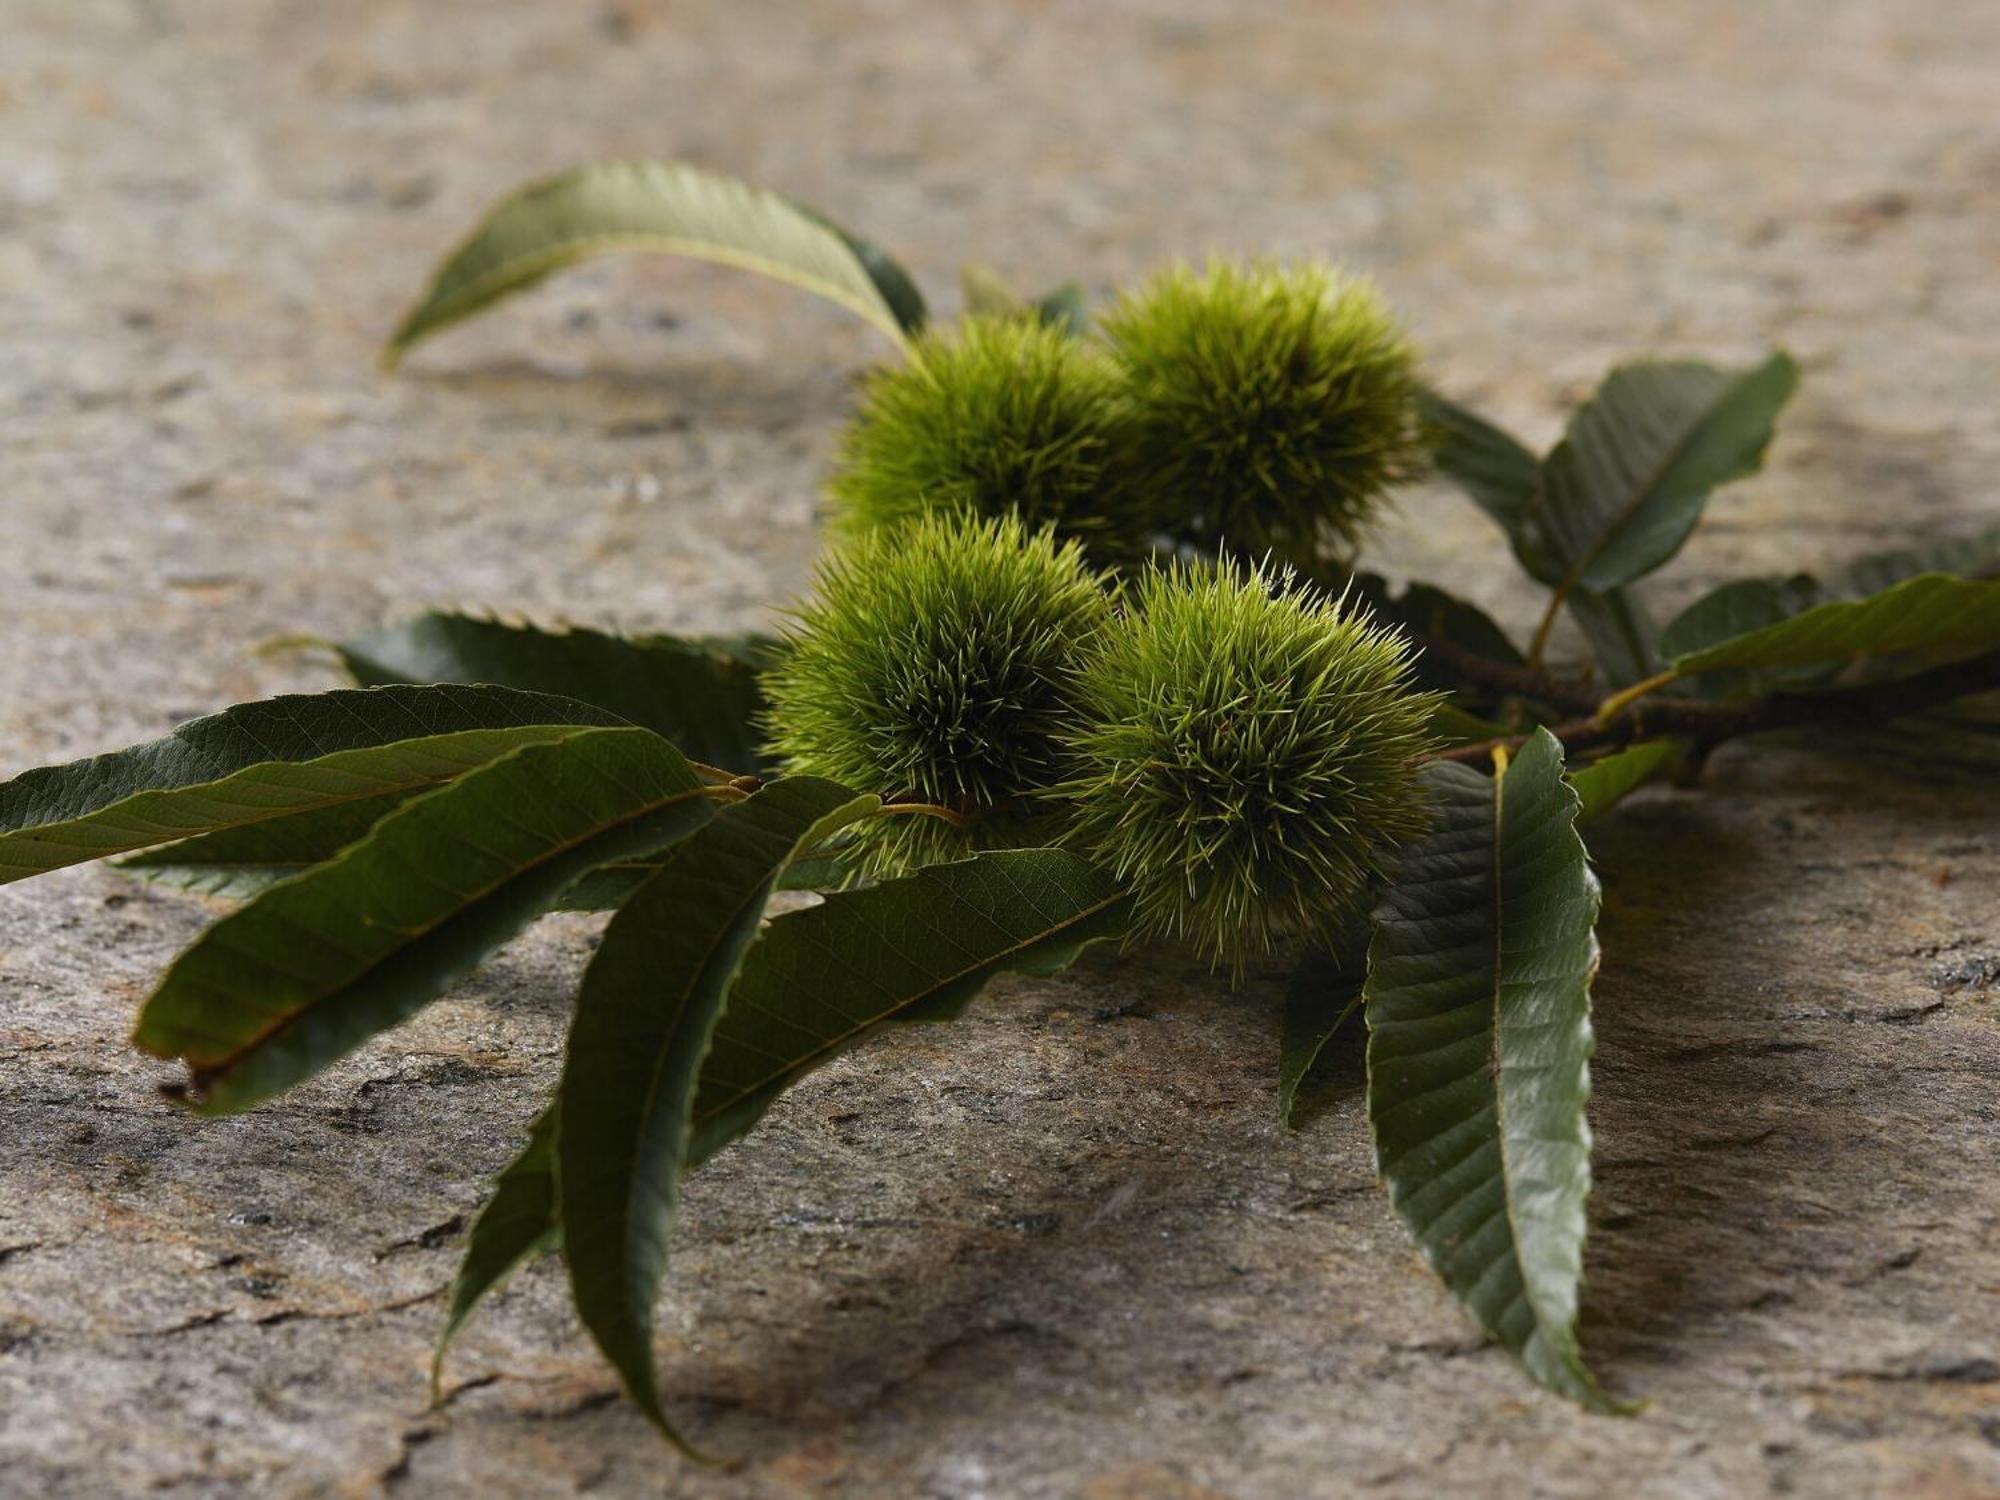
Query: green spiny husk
1245	758
1263	408
937	664
1006	416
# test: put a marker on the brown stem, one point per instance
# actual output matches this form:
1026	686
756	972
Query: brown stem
1506	678
1707	725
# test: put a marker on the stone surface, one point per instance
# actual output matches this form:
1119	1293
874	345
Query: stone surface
1061	1249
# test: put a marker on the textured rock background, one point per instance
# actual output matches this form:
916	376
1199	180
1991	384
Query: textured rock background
1061	1249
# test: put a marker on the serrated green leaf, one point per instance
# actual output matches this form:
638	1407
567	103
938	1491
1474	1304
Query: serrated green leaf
236	864
702	694
240	863
1975	557
267	760
1627	483
1430	616
1501	474
908	951
517	1222
1933	613
1604	783
1429	613
1321	994
892	283
608	888
317	964
1454	726
1737	609
648	1007
1478	1007
671	208
1620	632
915	949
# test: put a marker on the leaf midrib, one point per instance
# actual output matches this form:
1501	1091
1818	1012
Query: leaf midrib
1499	1093
1573	578
208	1073
477	292
627	1261
34	835
834	1043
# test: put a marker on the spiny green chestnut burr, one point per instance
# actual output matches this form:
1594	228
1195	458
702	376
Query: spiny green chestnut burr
1267	409
1246	757
1006	416
935	664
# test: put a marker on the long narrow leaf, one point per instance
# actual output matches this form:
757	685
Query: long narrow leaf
649	1004
820	980
671	208
237	864
701	694
1603	784
318	964
1933	613
915	949
1478	1006
267	760
1501	474
1976	556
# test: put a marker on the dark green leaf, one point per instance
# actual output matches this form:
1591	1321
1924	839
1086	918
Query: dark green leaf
823	979
649	1004
1932	613
1620	633
239	863
1501	474
701	694
318	964
1628	481
1437	623
1430	614
517	1221
1603	784
891	281
1454	726
606	889
1737	609
671	208
1976	556
1478	1006
915	949
1065	308
1319	997
266	760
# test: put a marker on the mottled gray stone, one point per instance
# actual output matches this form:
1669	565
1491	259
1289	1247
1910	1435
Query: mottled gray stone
1060	1249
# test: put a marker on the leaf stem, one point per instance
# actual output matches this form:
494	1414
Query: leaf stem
1540	644
943	814
1706	725
1618	702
